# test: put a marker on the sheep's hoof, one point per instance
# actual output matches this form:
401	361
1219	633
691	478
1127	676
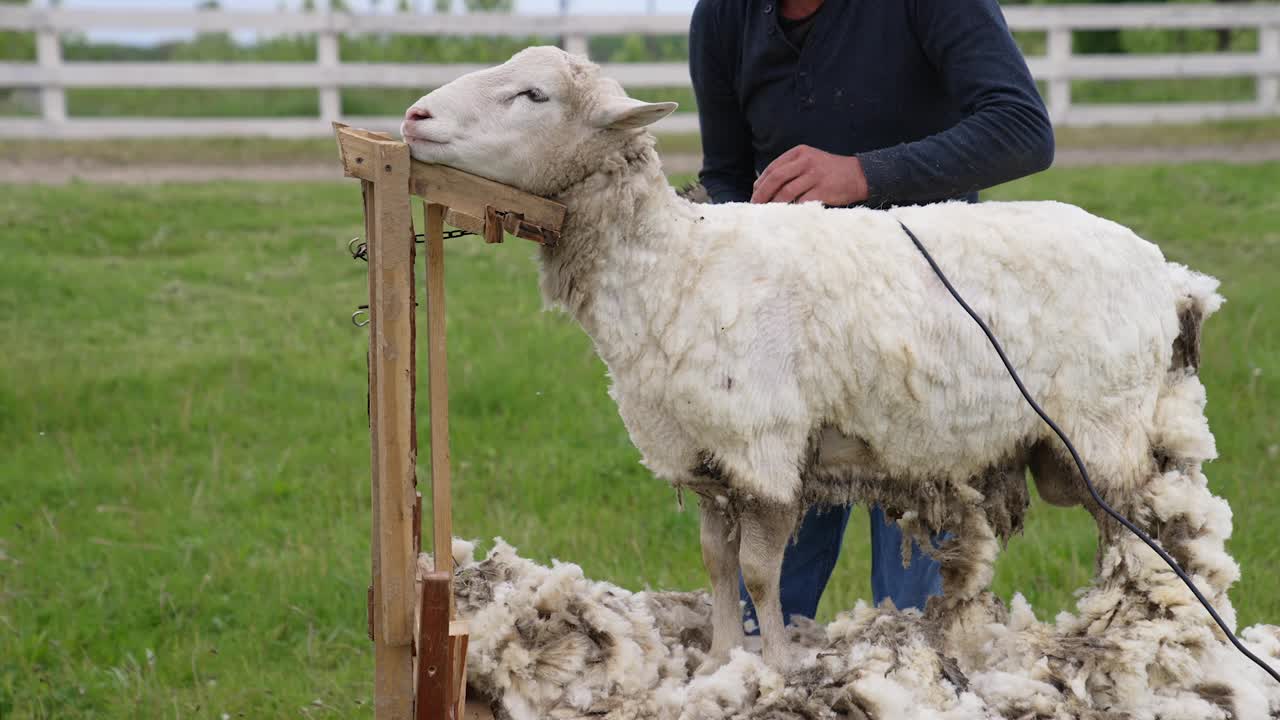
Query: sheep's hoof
781	657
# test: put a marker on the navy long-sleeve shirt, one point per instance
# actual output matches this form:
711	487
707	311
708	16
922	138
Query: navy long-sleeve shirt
932	96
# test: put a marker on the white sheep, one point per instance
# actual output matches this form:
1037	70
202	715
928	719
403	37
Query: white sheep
772	357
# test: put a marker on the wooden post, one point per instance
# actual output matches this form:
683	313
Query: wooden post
393	664
437	370
1269	84
1059	55
53	100
391	332
389	234
327	60
577	45
434	668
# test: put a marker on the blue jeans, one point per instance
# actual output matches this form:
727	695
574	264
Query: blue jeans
808	562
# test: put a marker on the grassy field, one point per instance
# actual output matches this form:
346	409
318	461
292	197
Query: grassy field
184	487
254	151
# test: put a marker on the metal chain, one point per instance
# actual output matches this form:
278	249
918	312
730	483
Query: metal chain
360	251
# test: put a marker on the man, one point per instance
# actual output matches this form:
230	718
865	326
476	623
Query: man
872	102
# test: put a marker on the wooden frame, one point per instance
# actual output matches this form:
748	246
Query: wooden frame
419	645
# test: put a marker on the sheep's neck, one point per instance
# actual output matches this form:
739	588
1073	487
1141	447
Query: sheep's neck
619	237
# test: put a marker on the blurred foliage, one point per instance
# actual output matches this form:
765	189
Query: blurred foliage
490	5
1150	41
19	46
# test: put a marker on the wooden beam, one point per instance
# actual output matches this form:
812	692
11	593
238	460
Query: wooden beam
463	221
458	640
391	332
471	194
434	668
360	151
393	664
477	710
438	397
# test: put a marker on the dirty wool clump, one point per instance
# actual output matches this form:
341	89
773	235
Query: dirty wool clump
546	642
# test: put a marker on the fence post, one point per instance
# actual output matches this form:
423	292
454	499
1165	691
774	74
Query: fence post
53	99
1059	55
577	45
1269	83
327	59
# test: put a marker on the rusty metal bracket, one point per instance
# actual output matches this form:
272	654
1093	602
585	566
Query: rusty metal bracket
496	222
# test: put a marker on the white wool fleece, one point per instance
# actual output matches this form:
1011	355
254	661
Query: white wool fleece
739	331
748	343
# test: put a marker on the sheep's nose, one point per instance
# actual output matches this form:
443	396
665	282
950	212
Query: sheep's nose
416	113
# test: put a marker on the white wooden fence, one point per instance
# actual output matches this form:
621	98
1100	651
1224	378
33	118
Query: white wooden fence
51	76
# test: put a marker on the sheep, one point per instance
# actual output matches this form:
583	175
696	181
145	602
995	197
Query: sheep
770	358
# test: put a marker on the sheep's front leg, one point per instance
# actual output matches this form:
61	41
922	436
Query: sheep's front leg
720	555
764	532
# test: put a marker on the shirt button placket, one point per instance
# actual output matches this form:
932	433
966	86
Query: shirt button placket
806	88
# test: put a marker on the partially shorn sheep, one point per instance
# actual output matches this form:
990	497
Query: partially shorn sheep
773	357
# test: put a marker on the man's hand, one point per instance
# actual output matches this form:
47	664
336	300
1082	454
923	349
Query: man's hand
804	173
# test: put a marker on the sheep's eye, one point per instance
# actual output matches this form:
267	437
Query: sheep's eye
534	94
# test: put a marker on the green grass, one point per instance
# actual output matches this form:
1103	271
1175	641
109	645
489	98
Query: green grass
1227	132
1180	90
189	103
184	507
251	151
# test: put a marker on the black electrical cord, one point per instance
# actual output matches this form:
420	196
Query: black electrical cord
1173	564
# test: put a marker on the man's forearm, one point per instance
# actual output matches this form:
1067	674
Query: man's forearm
984	150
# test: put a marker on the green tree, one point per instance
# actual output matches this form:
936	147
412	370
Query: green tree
490	5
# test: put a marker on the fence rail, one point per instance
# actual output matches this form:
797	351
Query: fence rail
51	76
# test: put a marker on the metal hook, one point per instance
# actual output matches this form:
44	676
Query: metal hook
358	249
361	310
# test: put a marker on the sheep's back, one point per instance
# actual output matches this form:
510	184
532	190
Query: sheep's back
831	318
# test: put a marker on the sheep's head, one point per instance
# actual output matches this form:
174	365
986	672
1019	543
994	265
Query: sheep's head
539	121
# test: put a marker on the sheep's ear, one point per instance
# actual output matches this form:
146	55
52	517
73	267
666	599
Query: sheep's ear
624	113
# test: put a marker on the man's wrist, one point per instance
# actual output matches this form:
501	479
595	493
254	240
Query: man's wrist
878	176
859	187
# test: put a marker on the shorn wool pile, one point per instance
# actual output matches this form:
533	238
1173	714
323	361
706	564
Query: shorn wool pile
550	643
770	358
